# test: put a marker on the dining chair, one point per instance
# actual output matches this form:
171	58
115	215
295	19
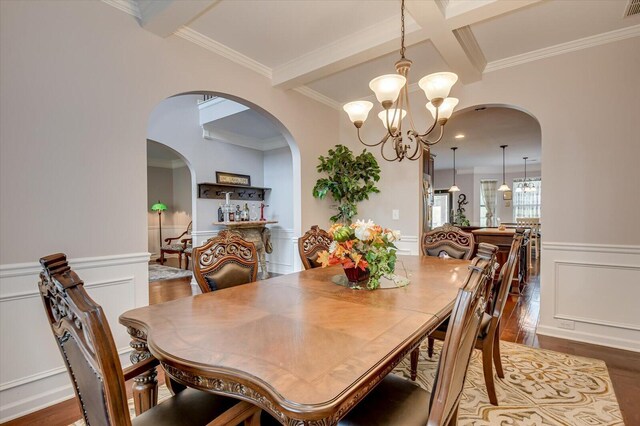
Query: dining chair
226	260
398	401
84	338
311	244
449	240
488	339
170	247
533	223
187	250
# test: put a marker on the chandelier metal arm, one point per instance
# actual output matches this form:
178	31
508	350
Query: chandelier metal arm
382	141
427	142
433	126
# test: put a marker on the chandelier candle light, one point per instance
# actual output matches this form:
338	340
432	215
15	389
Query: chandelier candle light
454	187
504	186
392	92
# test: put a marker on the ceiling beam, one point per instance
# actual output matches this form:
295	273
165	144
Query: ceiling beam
362	46
164	17
427	20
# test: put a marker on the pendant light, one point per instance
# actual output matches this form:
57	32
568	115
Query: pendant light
526	185
504	186
454	187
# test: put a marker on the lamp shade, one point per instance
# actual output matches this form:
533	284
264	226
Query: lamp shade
454	188
387	87
446	109
438	85
158	207
358	110
504	187
394	117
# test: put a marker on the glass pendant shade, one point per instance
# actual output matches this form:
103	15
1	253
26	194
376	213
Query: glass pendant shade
438	85
387	87
158	207
446	109
394	117
454	188
504	187
358	110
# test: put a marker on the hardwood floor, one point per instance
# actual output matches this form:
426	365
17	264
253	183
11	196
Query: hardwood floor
518	325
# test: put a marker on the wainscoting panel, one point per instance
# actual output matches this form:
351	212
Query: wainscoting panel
590	293
37	376
285	249
408	245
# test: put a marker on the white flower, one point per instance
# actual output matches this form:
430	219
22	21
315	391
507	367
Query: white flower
333	246
363	230
392	236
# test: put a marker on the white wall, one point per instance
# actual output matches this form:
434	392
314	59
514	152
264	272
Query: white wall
588	104
79	81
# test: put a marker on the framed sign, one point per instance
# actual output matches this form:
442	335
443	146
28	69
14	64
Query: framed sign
507	195
232	178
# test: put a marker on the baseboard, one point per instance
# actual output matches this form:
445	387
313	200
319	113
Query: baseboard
594	339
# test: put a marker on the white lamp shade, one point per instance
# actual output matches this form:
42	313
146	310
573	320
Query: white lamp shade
387	87
446	109
454	188
438	85
394	117
358	110
504	187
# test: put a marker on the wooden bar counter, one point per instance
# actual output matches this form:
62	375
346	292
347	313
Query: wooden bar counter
503	240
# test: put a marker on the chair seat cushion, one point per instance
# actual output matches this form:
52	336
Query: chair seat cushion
482	331
395	401
173	247
189	407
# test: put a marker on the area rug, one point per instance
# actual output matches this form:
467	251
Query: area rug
540	388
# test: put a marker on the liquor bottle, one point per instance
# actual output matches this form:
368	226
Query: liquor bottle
245	213
231	215
238	213
220	214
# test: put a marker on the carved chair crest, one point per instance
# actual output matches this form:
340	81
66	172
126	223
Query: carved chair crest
84	338
311	243
224	261
450	239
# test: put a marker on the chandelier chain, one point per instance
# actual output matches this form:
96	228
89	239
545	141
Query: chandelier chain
402	48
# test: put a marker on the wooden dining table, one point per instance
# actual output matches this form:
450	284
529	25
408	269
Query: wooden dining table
299	346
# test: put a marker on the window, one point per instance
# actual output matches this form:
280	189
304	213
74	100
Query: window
527	204
488	203
441	208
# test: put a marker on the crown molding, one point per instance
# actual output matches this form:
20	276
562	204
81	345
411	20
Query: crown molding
222	50
309	92
127	6
559	49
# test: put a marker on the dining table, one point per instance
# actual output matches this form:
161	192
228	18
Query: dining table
299	346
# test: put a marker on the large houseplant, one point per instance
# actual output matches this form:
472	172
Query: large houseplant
350	180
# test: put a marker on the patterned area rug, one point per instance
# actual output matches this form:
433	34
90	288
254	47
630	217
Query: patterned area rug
540	388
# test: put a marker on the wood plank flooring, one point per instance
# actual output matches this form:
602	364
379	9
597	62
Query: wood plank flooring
518	325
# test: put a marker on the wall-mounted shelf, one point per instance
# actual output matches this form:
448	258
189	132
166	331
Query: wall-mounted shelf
216	191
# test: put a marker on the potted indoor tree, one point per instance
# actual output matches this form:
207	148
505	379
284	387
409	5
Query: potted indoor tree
350	179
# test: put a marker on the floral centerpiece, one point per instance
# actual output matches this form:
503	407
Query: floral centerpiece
361	248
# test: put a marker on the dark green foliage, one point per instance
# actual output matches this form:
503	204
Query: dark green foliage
350	180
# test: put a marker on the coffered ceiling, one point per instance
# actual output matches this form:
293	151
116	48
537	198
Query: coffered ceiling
330	49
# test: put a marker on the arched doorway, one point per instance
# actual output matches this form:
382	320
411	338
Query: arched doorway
218	132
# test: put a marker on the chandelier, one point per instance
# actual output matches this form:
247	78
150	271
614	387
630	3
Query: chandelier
392	92
526	185
504	186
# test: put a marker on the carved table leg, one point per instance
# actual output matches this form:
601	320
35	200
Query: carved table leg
145	386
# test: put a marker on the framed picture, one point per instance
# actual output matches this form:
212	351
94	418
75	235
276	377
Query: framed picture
233	179
507	195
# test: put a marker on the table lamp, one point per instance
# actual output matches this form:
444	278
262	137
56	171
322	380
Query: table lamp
159	207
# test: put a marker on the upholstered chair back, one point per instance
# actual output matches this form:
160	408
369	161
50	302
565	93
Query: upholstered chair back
84	338
459	343
450	240
311	244
227	260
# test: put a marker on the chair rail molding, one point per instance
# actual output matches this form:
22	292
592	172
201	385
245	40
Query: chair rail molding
589	293
37	377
